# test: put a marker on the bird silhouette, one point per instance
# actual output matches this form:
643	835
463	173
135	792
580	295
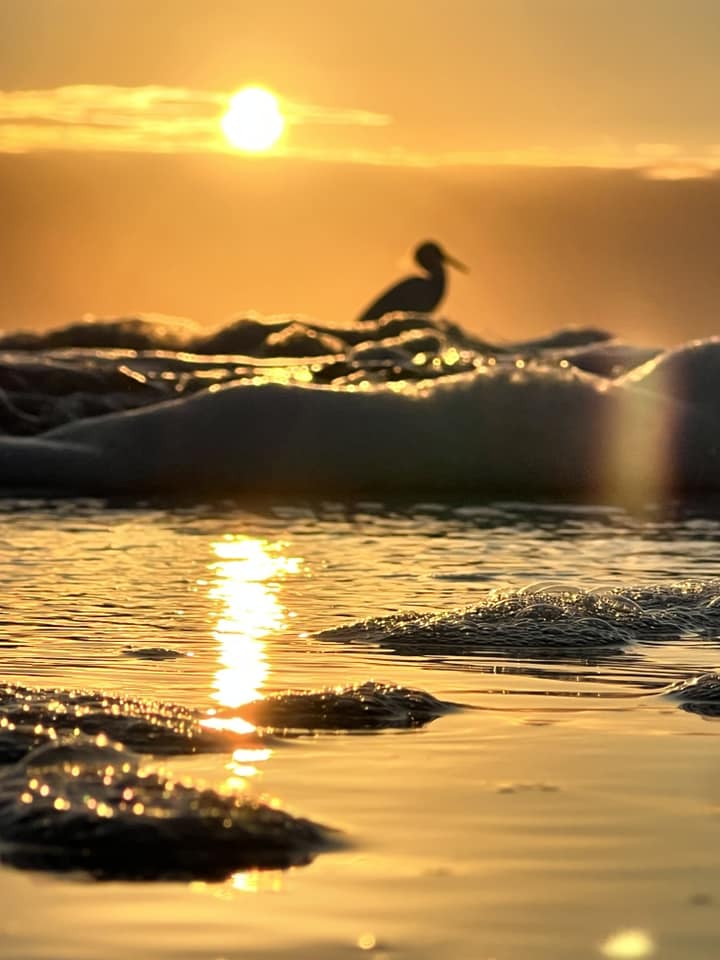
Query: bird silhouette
417	294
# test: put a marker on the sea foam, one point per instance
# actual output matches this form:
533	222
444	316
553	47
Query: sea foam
545	622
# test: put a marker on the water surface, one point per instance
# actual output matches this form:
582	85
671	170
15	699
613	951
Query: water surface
571	811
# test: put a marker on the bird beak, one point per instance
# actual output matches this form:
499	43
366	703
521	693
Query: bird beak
452	262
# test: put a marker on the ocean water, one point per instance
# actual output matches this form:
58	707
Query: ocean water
566	807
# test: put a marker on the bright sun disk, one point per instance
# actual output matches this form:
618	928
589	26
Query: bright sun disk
253	121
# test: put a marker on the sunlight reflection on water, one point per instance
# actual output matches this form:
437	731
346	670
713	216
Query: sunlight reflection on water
628	943
247	576
256	881
247	579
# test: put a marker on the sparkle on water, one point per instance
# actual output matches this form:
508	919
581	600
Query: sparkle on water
628	945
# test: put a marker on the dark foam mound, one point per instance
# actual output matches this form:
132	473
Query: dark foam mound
699	695
71	801
278	336
539	619
133	333
95	368
367	706
88	805
31	717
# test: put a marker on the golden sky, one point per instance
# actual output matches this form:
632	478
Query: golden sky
471	81
124	196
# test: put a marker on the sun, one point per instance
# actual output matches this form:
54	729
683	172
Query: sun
253	121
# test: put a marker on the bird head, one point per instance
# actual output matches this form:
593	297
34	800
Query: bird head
430	256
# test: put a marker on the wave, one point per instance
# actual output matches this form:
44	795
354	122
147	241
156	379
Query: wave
279	336
403	407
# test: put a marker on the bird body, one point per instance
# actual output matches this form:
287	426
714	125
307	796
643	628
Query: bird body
416	294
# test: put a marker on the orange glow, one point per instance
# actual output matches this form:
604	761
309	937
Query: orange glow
253	122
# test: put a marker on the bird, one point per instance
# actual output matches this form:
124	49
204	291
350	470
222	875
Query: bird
416	294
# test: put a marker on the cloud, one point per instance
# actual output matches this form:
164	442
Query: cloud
332	116
150	119
171	120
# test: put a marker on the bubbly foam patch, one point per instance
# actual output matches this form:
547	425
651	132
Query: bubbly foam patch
552	620
31	717
699	695
366	706
80	804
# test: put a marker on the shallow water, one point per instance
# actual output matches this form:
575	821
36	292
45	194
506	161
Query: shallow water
570	811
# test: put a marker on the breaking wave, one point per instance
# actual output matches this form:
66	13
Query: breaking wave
405	406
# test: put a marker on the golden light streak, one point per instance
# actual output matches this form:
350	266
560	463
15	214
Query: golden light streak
247	576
